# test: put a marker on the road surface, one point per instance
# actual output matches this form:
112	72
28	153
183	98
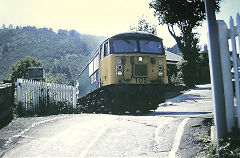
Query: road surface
173	130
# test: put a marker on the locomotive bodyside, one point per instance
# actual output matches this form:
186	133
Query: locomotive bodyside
88	79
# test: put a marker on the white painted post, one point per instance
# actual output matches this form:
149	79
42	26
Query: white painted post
238	34
215	70
23	94
226	73
74	98
235	63
19	91
35	96
37	90
26	97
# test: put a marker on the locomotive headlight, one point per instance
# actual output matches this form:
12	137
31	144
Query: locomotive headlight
140	59
160	68
160	73
119	70
119	73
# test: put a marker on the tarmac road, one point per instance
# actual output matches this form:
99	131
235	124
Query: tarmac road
173	130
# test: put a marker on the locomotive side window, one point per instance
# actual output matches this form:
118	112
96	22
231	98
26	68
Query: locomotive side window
91	68
101	53
96	63
147	46
106	49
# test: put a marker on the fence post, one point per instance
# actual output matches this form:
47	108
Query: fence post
74	97
226	73
19	92
238	33
215	69
232	34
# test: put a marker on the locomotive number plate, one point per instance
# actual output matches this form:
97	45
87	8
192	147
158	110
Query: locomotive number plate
141	80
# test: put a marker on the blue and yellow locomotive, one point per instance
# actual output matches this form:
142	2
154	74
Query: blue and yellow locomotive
127	73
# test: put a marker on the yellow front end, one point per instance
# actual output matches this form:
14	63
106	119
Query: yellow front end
133	69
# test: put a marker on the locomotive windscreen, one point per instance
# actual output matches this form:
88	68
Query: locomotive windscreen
134	46
124	46
147	46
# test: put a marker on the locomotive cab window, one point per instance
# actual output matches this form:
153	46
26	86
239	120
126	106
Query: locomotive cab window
147	46
124	45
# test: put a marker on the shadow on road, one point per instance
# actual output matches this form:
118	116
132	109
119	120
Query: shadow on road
167	113
203	88
176	113
185	98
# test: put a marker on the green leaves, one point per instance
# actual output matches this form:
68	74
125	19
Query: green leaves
67	49
145	26
20	68
184	16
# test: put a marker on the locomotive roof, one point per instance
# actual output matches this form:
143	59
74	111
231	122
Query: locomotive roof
135	34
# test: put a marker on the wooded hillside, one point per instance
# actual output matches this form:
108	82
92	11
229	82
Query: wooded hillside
62	52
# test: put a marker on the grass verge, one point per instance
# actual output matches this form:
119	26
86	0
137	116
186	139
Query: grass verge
229	146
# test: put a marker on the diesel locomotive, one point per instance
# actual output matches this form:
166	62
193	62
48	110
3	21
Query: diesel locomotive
127	73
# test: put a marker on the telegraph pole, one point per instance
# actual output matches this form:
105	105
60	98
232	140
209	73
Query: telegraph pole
216	72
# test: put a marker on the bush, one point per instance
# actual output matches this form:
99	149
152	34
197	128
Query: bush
45	108
229	146
179	77
176	79
184	71
20	68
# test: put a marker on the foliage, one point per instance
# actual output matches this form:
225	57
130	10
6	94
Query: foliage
66	49
229	146
203	59
145	26
183	16
20	68
46	108
180	77
176	79
57	78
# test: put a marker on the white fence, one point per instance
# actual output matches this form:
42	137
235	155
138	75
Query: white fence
225	35
33	95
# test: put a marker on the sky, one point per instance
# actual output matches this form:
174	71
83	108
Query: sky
97	17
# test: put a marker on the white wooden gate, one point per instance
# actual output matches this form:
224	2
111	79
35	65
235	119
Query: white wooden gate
227	36
33	95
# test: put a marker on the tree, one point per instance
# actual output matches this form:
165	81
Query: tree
20	68
145	26
4	26
183	16
56	78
